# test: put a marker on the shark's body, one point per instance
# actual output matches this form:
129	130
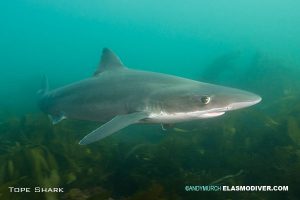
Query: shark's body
121	96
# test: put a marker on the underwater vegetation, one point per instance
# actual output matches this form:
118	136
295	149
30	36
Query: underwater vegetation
256	146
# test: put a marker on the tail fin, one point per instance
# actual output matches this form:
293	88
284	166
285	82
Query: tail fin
45	86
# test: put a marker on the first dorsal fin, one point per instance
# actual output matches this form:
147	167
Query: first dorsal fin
109	61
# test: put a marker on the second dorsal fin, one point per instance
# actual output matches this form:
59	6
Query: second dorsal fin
109	61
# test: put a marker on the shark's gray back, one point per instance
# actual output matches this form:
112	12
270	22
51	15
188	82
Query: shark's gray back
111	93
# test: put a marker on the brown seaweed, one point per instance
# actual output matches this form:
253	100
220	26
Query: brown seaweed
144	162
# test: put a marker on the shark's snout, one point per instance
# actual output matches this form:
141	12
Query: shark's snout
245	100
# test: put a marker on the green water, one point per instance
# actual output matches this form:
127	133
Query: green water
251	45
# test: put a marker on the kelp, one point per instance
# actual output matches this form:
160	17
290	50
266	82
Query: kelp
50	157
293	130
254	146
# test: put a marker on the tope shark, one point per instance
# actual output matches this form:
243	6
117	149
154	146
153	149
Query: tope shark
119	96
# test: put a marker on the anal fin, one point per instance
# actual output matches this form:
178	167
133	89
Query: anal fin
166	127
57	118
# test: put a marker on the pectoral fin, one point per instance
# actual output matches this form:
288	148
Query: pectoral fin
114	125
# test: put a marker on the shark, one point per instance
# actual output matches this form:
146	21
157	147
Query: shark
119	96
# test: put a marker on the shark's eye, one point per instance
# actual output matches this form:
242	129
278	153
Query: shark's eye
205	99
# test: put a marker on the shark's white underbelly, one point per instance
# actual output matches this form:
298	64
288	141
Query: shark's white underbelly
163	117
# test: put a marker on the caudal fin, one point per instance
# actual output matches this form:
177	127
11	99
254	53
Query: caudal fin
45	86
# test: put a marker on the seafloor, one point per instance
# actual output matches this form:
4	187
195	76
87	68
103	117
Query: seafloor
254	146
